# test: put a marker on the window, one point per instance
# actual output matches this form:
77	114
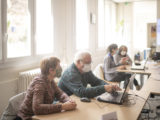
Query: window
82	26
26	30
144	12
106	23
18	42
101	36
44	31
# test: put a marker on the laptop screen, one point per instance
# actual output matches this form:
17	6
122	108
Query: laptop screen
130	82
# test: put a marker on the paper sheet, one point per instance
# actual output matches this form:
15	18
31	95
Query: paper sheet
110	116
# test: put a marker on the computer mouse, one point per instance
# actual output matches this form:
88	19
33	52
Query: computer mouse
85	99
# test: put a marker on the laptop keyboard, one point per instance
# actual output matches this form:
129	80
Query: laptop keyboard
114	94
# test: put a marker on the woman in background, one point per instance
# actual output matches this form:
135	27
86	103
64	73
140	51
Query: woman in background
42	92
122	58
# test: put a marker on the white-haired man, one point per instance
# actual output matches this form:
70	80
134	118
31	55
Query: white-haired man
76	78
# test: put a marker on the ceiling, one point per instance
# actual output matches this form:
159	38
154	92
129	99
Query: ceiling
119	1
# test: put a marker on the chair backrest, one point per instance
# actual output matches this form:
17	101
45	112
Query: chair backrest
98	72
11	110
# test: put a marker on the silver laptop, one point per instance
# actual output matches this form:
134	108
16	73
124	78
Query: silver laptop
139	67
119	98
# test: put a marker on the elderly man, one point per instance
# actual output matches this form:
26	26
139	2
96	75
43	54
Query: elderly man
76	78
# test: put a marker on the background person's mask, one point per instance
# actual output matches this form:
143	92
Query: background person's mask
123	53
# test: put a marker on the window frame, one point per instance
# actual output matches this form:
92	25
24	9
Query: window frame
20	61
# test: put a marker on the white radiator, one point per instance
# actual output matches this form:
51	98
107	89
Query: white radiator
25	78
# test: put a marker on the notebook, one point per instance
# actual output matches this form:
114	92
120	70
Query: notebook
139	67
119	98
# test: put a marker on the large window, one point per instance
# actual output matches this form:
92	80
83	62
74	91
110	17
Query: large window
18	42
44	31
101	23
82	26
144	12
106	23
26	30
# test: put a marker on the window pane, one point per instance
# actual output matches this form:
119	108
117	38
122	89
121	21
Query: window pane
144	12
101	42
18	43
44	27
106	23
82	30
110	22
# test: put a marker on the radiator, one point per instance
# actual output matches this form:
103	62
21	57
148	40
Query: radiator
25	78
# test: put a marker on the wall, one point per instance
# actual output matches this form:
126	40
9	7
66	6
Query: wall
8	83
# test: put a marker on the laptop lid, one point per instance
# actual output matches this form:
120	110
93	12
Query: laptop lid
130	82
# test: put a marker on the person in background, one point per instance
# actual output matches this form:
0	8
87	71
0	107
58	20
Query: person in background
122	58
110	68
76	78
42	92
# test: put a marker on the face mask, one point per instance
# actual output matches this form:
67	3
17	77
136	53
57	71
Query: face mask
123	53
58	72
86	68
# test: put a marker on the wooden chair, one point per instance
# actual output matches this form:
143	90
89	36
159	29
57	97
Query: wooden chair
98	72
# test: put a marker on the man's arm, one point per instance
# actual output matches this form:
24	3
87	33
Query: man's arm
94	81
76	87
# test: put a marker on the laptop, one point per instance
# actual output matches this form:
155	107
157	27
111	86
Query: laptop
119	98
139	67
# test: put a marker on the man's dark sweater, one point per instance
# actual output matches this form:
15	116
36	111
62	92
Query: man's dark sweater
74	82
